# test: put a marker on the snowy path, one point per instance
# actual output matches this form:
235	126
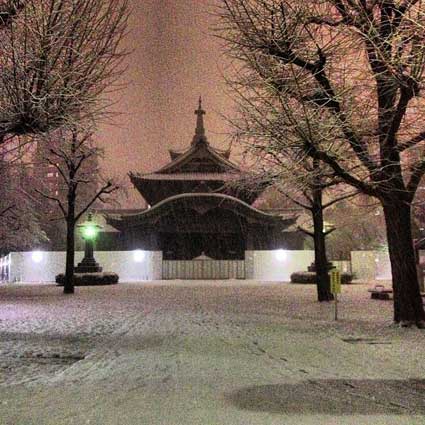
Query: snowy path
204	353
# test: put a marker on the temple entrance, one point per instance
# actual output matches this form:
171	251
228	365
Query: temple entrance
188	246
203	268
203	256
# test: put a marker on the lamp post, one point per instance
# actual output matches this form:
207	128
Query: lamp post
89	231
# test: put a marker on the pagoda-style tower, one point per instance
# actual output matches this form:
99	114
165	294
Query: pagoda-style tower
198	169
193	209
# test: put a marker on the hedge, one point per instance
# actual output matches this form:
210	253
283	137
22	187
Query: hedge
310	277
90	279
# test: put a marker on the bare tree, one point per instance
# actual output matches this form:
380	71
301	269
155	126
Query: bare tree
72	157
57	57
348	77
9	9
360	225
58	60
307	185
19	219
313	200
307	182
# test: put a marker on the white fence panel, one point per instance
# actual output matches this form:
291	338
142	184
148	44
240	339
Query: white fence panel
203	269
371	265
44	266
344	266
278	265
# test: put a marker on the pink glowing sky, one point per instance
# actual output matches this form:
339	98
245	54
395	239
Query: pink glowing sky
175	59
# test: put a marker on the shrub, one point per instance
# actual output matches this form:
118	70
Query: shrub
89	279
310	277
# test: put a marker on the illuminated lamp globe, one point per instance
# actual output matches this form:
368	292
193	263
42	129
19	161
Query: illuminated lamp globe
90	231
281	255
37	256
138	255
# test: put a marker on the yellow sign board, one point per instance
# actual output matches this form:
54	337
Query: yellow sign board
335	282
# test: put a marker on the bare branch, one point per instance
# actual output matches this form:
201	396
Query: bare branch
415	178
6	210
108	188
52	198
57	58
328	232
297	202
305	231
412	142
339	199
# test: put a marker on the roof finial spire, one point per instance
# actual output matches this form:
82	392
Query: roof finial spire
200	129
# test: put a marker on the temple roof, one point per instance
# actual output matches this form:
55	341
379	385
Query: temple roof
200	156
200	203
200	139
199	168
156	187
175	153
201	151
186	176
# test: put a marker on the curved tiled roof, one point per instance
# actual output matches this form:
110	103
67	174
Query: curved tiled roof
200	168
217	199
186	156
187	176
175	153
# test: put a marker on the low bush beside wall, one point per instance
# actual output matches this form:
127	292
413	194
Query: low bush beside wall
310	277
90	279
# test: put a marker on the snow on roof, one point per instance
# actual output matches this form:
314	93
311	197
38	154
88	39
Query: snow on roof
188	176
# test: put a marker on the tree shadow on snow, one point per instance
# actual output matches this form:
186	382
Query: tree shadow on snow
335	397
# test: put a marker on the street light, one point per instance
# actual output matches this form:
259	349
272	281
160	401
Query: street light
281	255
138	255
37	256
89	231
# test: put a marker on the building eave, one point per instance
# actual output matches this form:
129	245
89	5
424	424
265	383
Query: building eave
195	200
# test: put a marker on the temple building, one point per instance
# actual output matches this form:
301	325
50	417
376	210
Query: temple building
195	212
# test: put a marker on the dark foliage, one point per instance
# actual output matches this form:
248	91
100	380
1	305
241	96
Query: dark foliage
89	279
310	277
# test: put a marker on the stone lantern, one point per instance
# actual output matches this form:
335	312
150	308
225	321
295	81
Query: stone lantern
89	231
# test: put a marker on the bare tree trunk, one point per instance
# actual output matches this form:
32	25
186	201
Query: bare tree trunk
408	306
320	258
70	257
70	247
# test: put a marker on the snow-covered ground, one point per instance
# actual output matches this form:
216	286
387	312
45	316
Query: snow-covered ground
222	353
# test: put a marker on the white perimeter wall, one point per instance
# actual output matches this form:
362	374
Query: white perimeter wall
126	264
276	265
371	265
279	265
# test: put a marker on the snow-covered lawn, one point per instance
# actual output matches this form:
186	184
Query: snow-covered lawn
205	353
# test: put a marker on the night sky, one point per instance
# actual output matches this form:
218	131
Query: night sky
175	59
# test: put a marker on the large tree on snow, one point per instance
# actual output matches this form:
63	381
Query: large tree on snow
348	77
58	59
73	155
353	71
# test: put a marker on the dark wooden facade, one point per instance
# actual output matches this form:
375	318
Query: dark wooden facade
194	210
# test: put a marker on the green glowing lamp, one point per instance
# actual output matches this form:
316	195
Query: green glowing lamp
90	231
